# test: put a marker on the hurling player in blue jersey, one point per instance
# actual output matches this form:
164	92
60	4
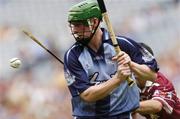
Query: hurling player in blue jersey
95	75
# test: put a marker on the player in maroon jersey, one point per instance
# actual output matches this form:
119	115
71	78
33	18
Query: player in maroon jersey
158	99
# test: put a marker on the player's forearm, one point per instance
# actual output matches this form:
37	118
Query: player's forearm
149	107
143	71
100	91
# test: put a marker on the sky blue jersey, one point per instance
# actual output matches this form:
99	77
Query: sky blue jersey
84	68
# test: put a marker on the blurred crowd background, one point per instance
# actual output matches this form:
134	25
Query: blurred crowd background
38	90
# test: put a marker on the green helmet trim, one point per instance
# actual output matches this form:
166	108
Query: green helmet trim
84	10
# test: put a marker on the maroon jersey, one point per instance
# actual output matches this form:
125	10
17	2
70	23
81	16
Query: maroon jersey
163	91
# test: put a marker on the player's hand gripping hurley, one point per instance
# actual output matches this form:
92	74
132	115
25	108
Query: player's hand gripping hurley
112	35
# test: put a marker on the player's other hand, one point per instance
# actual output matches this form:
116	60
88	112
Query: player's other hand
123	61
122	58
123	72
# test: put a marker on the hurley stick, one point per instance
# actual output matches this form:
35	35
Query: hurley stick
112	34
40	44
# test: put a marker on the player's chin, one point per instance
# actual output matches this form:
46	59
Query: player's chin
80	38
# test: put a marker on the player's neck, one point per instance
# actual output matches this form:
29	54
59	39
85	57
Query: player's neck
96	41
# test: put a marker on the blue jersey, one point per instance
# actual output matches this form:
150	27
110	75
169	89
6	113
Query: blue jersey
83	68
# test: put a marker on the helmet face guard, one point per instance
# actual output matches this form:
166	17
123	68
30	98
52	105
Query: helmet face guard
86	32
80	14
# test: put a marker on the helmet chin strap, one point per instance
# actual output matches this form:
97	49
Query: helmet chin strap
85	41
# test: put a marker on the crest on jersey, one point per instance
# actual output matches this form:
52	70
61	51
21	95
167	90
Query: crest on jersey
69	77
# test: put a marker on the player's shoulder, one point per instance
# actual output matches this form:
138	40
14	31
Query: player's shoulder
124	40
73	51
127	43
76	47
163	80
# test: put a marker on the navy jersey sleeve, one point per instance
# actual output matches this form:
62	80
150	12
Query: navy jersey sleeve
137	54
75	75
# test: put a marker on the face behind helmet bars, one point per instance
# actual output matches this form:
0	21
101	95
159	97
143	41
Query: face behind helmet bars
80	18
